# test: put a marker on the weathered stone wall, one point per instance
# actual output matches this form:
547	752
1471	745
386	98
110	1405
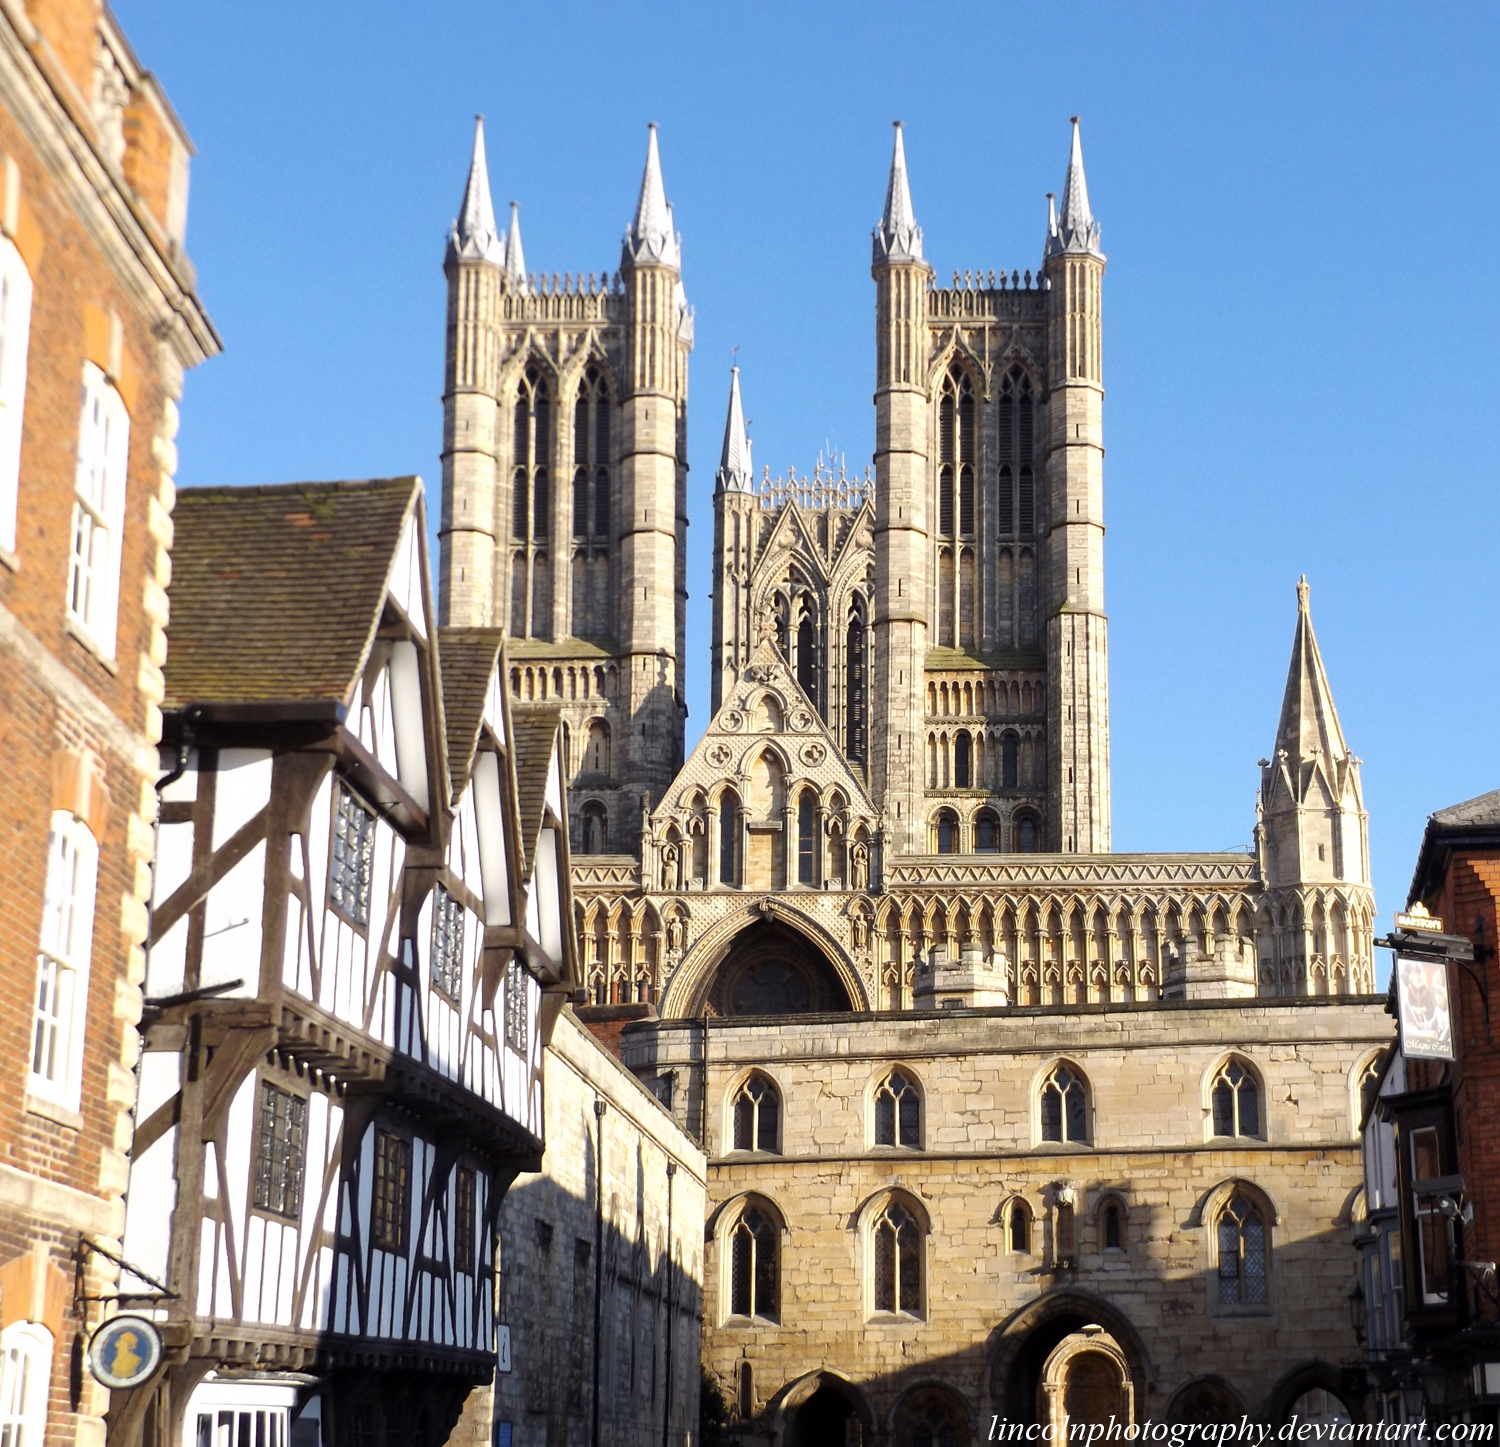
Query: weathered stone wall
645	1355
1150	1148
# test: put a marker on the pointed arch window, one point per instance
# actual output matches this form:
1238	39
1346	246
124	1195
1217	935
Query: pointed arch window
807	654
898	1112
857	673
591	457
807	837
757	1116
1018	1228
956	456
1064	1106
729	829
754	1270
1236	1101
1112	1225
898	1261
1242	1254
1016	416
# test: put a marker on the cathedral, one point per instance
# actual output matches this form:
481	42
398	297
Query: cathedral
999	1123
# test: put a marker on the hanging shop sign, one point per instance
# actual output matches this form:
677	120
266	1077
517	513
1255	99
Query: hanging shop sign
1422	1008
124	1352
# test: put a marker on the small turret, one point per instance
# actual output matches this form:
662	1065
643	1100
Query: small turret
1312	838
515	257
652	240
475	237
736	473
1074	230
1313	820
898	237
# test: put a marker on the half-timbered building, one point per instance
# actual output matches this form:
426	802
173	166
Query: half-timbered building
354	945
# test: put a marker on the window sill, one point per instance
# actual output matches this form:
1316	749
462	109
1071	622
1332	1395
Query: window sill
895	1318
54	1111
86	640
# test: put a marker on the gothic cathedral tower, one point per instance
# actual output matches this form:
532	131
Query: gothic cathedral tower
564	510
902	278
1077	647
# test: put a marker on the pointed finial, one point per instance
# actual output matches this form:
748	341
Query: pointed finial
475	237
1309	724
898	237
515	257
1075	230
735	470
651	240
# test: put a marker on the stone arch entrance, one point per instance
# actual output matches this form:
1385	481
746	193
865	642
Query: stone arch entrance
766	958
823	1410
1086	1380
1022	1347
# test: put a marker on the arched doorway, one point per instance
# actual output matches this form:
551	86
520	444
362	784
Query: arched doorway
826	1419
1086	1381
773	969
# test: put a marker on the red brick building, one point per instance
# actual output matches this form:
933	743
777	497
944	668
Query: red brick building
99	320
1431	1226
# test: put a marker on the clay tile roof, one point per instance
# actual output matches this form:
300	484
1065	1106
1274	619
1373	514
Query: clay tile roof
277	590
533	734
466	659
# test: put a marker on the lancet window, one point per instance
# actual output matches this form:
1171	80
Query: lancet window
898	1112
531	508
754	1275
1242	1254
1236	1101
856	691
1064	1106
757	1116
898	1261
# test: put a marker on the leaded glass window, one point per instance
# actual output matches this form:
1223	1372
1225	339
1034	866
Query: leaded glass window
463	1219
353	857
898	1261
1242	1255
757	1115
1065	1111
447	943
754	1286
898	1112
390	1197
280	1151
1236	1102
517	1006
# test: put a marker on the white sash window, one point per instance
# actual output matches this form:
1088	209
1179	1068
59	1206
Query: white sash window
15	334
98	509
25	1373
63	963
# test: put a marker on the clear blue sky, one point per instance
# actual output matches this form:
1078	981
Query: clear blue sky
1299	208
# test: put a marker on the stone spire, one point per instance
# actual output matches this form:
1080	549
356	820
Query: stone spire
1309	726
1075	229
735	471
475	237
898	237
515	257
651	240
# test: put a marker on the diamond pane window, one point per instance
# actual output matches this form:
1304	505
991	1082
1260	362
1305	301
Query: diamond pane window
1242	1255
280	1151
390	1204
353	857
447	943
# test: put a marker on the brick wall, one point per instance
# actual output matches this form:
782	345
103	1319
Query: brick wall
77	729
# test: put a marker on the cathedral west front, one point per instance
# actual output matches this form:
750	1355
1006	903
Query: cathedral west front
999	1122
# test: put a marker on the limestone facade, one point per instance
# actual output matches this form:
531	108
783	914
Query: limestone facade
890	852
647	1217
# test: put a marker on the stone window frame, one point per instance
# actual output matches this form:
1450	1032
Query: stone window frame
728	1223
1215	1204
1090	1108
872	1092
867	1221
1115	1200
100	482
15	340
731	1100
1008	1209
1370	1063
1211	1076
